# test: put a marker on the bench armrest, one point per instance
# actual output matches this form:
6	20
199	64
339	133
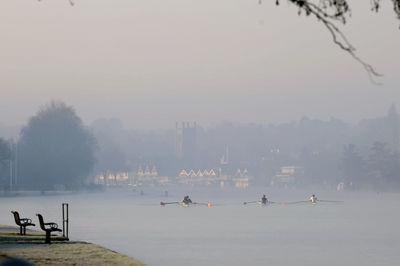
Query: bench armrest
52	225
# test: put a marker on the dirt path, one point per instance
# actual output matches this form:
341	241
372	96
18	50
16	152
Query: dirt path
32	249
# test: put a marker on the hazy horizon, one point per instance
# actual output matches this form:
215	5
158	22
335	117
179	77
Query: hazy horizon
153	63
266	186
128	126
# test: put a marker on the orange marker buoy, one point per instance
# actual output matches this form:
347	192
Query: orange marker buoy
209	204
283	203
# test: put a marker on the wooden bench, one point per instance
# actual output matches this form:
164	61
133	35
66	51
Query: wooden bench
47	227
22	222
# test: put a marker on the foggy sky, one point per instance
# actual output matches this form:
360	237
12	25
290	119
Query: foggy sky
153	62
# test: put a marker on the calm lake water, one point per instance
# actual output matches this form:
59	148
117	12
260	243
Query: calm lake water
363	230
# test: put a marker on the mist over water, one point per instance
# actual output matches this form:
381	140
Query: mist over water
151	63
362	230
200	98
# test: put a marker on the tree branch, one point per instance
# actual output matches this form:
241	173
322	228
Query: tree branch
329	11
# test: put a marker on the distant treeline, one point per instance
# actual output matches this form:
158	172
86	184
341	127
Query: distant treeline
364	155
55	150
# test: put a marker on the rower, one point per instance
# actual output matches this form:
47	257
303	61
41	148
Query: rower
186	200
313	199
264	200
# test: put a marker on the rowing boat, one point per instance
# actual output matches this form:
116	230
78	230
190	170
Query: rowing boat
183	204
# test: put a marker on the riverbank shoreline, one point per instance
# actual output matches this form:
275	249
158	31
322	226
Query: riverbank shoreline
32	249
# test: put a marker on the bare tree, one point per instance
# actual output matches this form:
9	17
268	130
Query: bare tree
72	3
331	12
5	157
352	167
56	149
5	151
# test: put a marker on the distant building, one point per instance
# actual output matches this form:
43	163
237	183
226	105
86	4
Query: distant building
214	178
288	176
191	177
149	178
186	143
110	179
241	178
225	158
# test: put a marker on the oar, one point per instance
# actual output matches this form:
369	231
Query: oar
267	203
250	202
165	203
294	202
202	203
331	200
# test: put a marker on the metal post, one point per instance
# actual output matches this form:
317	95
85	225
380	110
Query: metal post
65	217
11	176
16	165
67	222
11	164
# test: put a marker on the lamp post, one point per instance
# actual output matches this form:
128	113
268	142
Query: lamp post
11	172
11	165
16	163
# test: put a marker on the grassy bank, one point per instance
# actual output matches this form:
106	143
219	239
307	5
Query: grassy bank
61	252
